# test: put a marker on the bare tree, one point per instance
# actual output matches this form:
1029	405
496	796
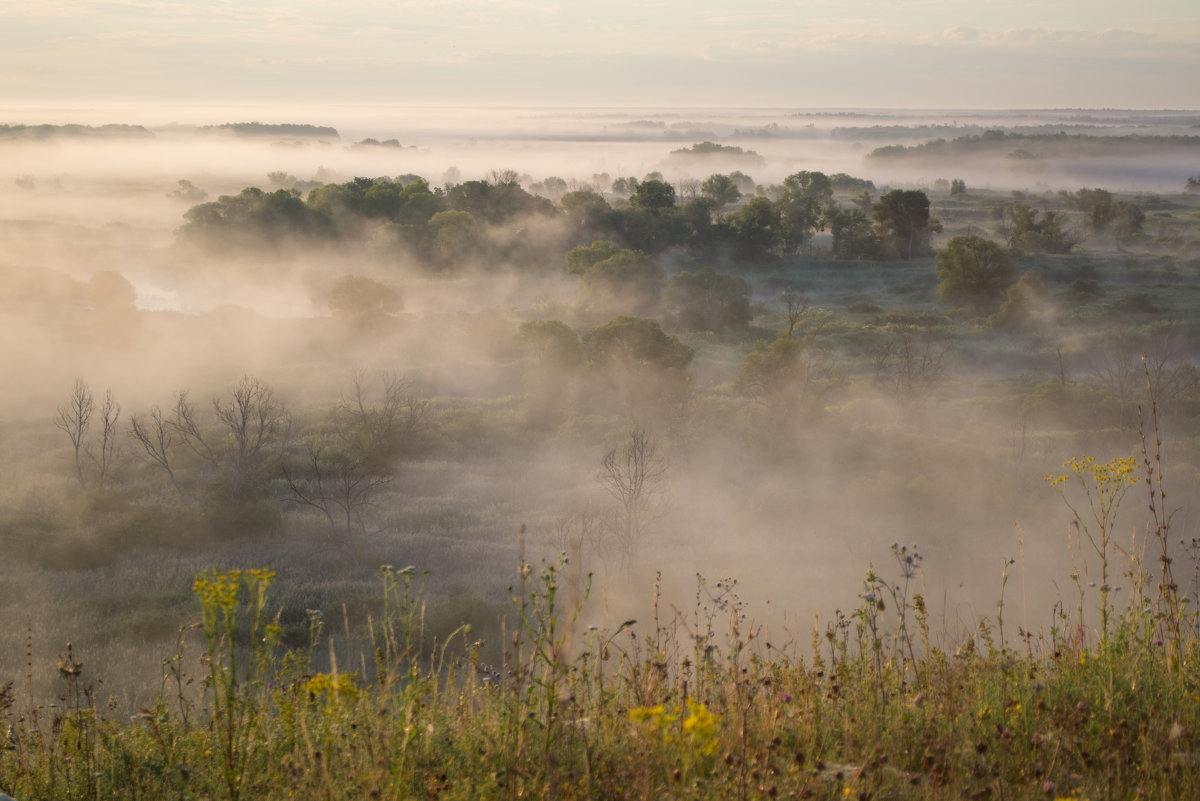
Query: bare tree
1116	364
256	421
910	361
635	476
340	486
110	413
377	427
251	425
74	419
342	470
157	439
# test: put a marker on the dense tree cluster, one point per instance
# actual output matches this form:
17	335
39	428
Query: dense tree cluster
487	222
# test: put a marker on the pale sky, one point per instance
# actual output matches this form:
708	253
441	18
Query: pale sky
793	53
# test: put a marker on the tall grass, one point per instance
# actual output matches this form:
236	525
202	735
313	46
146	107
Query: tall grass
698	703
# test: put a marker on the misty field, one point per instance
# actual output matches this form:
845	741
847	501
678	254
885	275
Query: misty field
607	456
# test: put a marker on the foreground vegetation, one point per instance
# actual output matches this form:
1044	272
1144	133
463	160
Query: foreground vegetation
1104	703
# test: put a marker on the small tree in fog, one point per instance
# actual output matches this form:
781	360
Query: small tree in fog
909	360
349	457
157	440
74	418
250	430
362	302
635	475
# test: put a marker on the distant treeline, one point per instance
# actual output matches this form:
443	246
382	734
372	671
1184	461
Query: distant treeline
74	132
114	131
1058	144
276	129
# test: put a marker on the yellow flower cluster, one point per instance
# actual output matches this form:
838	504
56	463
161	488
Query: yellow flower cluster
339	686
1115	472
218	589
700	727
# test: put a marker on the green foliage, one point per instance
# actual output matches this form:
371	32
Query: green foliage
756	230
695	705
654	196
974	272
255	219
801	208
722	189
615	279
707	301
1028	306
363	302
1024	231
853	235
905	223
497	202
636	343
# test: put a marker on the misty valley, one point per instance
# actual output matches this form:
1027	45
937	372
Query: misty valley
601	426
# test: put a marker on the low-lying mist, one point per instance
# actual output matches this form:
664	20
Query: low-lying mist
403	347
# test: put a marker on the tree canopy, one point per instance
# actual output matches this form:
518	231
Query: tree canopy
974	272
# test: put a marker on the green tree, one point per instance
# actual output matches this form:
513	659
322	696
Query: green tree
707	301
654	196
637	344
362	302
1024	231
974	272
722	189
456	238
904	222
853	235
1028	305
255	219
551	374
756	230
801	205
626	280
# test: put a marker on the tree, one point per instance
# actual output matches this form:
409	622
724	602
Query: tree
756	230
958	187
909	360
853	235
157	439
551	375
456	238
974	272
634	474
346	462
801	207
362	302
252	427
1028	305
722	189
1127	221
708	301
276	220
74	419
904	221
1024	231
615	279
653	195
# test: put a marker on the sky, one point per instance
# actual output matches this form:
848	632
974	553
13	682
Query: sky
777	53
